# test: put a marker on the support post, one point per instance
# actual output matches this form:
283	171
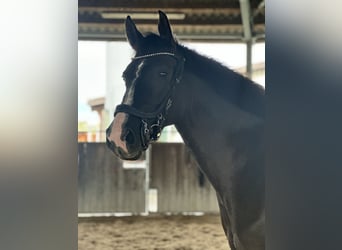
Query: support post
147	180
249	69
246	16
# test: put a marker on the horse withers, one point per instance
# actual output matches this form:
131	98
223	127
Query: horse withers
219	114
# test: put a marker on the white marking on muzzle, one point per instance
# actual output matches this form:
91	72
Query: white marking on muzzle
121	118
116	132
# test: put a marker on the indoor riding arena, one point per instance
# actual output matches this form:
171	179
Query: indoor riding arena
178	210
162	201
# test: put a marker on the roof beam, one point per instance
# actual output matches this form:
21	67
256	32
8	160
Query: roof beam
260	9
198	11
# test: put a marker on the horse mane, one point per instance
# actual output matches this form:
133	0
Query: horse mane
228	84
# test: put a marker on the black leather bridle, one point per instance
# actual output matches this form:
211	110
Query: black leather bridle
152	122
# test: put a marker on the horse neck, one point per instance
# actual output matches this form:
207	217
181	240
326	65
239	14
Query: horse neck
203	111
207	122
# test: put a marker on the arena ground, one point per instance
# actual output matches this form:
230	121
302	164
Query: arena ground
152	233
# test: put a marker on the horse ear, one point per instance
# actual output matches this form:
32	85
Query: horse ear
164	27
133	35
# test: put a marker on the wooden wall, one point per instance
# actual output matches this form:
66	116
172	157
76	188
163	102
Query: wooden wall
180	184
104	185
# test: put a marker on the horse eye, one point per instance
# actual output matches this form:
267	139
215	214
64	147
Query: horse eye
162	73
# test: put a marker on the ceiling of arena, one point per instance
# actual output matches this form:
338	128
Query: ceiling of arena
191	20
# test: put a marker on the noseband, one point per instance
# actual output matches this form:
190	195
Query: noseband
152	122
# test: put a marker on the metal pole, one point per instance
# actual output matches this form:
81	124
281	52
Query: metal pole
247	28
147	180
246	19
249	69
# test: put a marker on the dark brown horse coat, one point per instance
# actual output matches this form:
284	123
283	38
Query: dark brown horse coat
219	114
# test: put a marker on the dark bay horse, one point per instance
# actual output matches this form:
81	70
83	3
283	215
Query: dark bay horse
219	114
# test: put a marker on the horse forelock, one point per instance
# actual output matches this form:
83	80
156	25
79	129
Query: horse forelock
153	43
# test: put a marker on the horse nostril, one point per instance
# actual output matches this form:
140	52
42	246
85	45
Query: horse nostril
109	130
129	137
110	144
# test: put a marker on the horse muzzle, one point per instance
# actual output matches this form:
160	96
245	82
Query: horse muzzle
123	141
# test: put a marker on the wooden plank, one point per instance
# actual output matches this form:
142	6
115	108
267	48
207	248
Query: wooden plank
181	188
104	186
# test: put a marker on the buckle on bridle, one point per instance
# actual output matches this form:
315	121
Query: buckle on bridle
168	104
152	132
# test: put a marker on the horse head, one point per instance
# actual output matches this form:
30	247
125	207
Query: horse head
151	78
